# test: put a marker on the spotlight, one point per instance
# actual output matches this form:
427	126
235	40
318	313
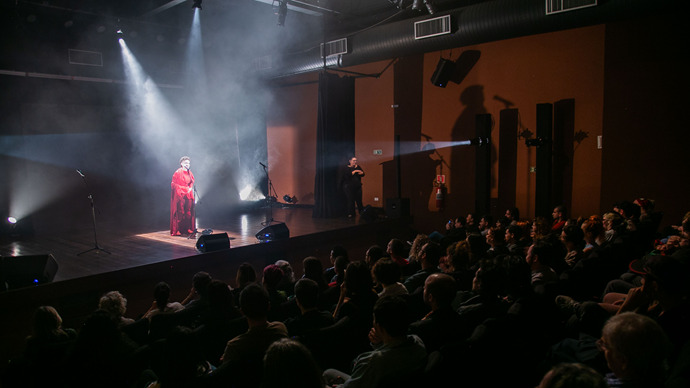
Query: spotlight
119	33
282	12
11	220
289	199
197	4
417	6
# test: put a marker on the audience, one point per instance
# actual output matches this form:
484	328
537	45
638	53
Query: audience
478	318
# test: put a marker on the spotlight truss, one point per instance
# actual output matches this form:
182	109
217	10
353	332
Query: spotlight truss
282	11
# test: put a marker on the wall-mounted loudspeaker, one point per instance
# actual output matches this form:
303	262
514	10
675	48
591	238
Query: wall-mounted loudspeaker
213	242
443	73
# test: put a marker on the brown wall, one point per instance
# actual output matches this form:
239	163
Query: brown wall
526	71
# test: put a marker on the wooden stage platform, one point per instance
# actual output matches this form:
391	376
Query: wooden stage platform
141	258
132	248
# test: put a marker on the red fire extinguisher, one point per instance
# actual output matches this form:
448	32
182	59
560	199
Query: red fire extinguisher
440	198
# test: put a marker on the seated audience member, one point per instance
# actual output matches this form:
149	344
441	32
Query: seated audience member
340	264
271	279
313	269
496	241
396	354
429	258
289	364
196	299
387	273
456	263
242	360
471	223
287	283
478	248
439	326
538	257
485	223
161	301
559	219
337	251
102	356
245	276
513	240
573	238
310	318
182	364
374	254
115	304
635	348
572	375
541	228
512	215
416	248
614	225
396	251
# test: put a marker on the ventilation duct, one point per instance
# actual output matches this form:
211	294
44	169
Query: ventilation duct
474	24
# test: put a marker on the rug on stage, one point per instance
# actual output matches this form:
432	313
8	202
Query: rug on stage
165	237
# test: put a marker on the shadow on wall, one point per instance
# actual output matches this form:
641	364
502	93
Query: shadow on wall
461	197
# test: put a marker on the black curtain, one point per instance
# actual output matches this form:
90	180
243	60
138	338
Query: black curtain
335	143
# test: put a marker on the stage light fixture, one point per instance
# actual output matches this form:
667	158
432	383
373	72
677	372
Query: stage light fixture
289	199
197	4
11	220
282	12
417	6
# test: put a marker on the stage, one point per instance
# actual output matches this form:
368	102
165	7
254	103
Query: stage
131	247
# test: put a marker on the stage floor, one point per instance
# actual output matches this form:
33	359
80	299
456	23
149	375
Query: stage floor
132	249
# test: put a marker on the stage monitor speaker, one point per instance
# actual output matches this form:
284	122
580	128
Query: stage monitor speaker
397	207
25	271
273	232
213	242
368	214
443	73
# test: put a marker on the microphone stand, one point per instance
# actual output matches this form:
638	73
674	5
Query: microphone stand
196	195
96	247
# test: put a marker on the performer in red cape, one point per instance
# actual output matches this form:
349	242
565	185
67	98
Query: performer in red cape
182	200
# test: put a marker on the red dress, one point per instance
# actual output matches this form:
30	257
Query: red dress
182	202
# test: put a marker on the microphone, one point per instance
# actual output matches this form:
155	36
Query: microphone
80	173
263	165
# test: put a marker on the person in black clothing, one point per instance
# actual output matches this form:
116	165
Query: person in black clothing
352	184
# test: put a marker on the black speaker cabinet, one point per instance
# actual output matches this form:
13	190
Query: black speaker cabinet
213	242
443	73
397	207
273	232
25	271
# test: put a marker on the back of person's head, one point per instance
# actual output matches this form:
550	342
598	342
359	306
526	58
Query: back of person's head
47	322
390	312
441	287
573	376
114	303
245	275
573	234
419	241
432	253
288	273
358	278
397	247
544	250
98	335
518	275
490	278
340	264
338	250
307	293
200	281
220	296
459	255
183	360
541	227
272	276
254	301
498	234
386	271
161	294
289	364
478	247
593	226
635	347
374	254
313	269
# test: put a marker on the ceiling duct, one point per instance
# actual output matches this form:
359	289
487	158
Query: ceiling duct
473	24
